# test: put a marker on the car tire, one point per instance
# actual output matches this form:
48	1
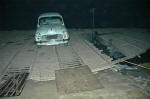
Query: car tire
66	44
39	46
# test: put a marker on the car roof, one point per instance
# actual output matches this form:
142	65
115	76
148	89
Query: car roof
50	14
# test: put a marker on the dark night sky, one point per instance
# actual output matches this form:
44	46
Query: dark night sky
22	14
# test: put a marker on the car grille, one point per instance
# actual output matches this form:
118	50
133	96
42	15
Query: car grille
49	37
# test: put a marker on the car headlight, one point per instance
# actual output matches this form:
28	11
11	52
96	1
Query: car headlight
38	38
65	36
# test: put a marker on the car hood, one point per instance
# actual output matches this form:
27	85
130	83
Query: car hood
51	29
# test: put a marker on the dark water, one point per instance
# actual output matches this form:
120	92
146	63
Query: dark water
144	58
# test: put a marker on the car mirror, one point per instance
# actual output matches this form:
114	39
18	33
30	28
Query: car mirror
62	23
38	25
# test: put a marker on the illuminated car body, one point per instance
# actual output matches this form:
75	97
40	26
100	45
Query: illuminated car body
51	30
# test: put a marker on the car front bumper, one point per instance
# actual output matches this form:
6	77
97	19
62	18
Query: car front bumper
52	42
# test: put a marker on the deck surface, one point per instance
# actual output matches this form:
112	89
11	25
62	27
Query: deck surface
20	52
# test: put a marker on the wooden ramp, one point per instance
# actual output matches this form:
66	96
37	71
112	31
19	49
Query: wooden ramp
73	80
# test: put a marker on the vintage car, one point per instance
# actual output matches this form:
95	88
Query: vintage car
51	30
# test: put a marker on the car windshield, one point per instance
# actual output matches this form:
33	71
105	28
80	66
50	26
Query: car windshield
50	20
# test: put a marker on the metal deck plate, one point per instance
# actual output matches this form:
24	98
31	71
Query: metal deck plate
12	83
73	80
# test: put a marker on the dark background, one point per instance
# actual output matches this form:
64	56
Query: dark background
22	14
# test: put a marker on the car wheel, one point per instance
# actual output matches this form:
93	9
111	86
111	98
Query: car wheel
39	46
66	44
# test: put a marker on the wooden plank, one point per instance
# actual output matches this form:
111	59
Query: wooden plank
73	80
